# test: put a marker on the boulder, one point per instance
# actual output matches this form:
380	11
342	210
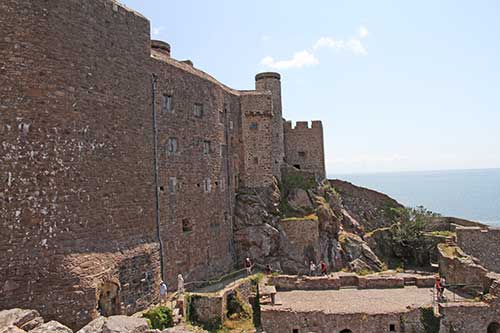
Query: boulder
21	318
52	327
116	324
95	326
359	254
257	242
125	324
299	200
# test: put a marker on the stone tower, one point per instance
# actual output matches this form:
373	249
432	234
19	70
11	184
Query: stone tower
270	81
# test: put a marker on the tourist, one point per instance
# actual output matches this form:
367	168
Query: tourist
312	268
163	292
324	267
443	286
268	269
180	284
248	266
438	288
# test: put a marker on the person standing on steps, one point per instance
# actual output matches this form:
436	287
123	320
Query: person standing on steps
163	292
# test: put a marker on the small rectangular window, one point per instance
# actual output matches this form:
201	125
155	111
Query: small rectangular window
167	103
206	147
230	124
172	146
255	160
392	328
186	225
172	185
254	126
302	154
198	110
207	185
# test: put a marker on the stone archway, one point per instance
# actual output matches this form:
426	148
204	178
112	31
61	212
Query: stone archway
346	331
108	301
494	327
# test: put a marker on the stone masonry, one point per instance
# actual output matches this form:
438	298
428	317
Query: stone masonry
482	244
304	146
86	224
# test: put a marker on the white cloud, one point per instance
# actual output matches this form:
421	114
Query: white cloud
265	38
354	45
155	31
299	60
363	32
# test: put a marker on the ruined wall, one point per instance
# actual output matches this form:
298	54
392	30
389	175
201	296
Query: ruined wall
257	133
303	238
481	244
459	268
270	81
468	317
304	147
286	321
76	191
197	186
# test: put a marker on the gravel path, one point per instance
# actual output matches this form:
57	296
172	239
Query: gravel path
370	301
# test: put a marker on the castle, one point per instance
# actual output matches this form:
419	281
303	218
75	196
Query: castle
120	165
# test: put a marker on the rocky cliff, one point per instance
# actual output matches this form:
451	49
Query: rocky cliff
299	220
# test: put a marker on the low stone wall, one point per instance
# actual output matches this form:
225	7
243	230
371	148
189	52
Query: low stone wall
286	321
209	309
339	280
381	282
458	268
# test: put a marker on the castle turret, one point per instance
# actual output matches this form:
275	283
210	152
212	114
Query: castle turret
270	81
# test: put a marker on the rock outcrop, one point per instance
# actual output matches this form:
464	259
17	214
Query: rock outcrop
52	327
21	318
371	209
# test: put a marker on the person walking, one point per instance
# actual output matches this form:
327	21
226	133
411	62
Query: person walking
437	286
163	292
312	268
324	268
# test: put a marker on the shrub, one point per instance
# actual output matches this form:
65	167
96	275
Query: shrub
159	317
430	322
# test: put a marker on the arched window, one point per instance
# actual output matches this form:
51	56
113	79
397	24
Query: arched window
494	327
346	331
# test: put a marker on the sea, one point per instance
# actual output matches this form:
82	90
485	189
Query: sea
469	194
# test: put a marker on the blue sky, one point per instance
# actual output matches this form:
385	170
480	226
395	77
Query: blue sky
399	85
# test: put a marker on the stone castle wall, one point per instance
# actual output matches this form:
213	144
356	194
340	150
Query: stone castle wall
482	244
257	132
76	208
285	321
269	81
196	177
78	191
304	147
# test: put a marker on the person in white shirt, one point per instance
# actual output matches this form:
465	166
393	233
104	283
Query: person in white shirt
180	284
163	292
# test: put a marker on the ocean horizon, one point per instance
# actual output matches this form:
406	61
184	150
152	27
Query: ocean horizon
472	194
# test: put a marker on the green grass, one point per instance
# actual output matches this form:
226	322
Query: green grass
310	217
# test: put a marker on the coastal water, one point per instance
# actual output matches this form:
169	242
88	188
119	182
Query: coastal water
469	194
